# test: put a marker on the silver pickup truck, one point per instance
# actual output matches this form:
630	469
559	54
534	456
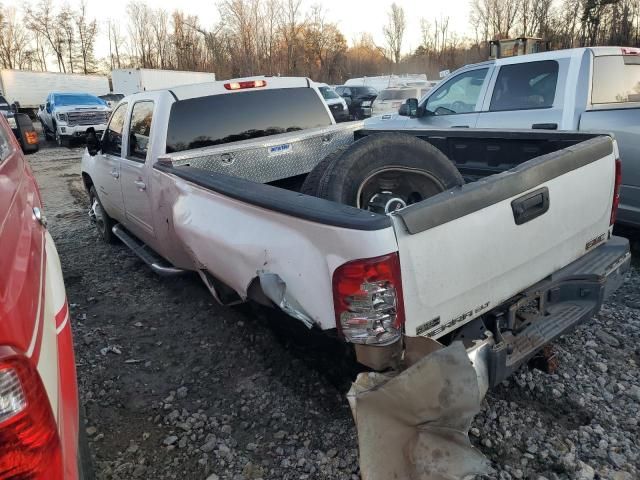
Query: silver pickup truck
584	89
518	250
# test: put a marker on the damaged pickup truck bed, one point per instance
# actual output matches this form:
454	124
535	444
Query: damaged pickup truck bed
507	262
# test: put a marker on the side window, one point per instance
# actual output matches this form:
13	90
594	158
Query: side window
112	139
525	86
139	129
5	145
347	91
459	94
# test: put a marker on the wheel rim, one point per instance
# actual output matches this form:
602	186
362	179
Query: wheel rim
97	214
391	188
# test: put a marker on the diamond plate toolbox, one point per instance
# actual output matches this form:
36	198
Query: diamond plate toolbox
269	158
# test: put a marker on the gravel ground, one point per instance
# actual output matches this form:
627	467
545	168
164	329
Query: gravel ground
177	387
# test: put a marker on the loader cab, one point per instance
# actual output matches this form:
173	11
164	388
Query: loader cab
517	46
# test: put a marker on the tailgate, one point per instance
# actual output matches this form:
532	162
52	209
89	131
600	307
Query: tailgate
466	251
271	158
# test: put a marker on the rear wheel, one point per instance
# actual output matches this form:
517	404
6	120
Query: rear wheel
383	173
99	216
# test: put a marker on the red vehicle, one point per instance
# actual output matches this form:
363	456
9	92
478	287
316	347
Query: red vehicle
40	431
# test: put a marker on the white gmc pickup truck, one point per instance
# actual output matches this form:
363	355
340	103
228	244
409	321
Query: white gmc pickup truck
499	239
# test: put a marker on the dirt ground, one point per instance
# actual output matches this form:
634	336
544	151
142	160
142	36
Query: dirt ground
176	386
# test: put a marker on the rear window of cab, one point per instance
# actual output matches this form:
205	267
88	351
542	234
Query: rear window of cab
245	115
616	79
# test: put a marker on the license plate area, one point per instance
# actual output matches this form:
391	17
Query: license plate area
525	311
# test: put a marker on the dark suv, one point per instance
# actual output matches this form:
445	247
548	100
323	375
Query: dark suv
359	100
21	126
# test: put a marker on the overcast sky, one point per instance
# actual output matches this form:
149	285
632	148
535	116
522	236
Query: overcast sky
352	16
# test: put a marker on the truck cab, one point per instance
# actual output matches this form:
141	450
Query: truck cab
65	116
585	89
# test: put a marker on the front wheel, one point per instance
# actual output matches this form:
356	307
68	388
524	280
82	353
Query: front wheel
103	221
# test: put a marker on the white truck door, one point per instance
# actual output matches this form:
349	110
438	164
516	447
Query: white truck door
466	251
134	174
106	175
528	95
455	103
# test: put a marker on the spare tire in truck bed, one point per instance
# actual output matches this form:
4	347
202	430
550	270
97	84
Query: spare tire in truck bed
382	173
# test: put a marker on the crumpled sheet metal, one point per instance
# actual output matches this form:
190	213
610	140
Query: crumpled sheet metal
276	290
415	425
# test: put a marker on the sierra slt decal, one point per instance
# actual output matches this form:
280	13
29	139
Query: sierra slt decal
460	318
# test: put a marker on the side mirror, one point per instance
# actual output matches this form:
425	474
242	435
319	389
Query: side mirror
48	107
93	142
409	108
15	106
42	106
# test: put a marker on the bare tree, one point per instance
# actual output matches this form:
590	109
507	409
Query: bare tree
115	43
42	20
15	49
291	28
64	19
394	31
161	37
140	32
87	31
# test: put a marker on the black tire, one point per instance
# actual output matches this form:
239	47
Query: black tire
85	462
104	223
349	173
311	183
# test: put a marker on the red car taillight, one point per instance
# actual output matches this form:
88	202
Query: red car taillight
367	296
29	443
616	192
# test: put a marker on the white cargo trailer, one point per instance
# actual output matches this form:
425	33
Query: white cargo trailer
134	80
31	88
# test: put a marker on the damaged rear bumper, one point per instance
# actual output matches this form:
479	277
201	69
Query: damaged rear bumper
567	298
571	296
414	423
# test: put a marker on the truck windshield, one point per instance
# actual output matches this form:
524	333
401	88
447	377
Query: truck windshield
616	79
67	99
233	117
328	93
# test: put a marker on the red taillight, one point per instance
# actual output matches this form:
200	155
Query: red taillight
367	297
29	443
243	85
31	137
630	51
616	192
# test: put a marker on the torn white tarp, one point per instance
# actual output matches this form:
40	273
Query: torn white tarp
415	425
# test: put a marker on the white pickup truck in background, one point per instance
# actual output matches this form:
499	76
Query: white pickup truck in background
583	89
498	237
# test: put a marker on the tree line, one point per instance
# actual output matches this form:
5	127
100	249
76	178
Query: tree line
285	37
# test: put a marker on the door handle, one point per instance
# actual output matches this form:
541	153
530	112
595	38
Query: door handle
460	126
530	206
115	173
544	126
140	184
